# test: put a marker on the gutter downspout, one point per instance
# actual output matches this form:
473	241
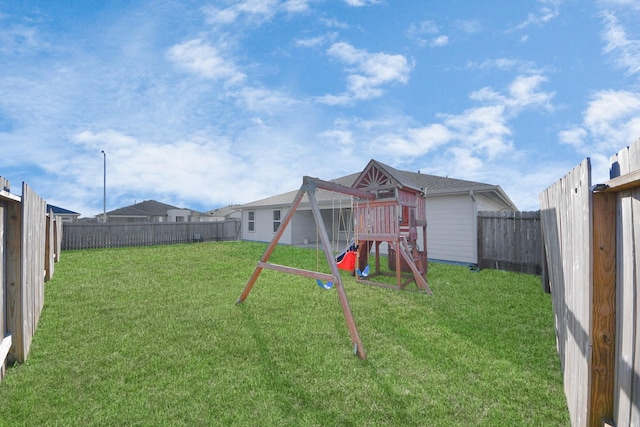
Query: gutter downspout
474	221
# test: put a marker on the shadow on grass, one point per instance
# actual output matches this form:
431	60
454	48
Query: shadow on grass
347	375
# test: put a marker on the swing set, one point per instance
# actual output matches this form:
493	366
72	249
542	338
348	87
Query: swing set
383	211
327	281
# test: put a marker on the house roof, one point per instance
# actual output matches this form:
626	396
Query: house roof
431	185
148	208
224	211
61	211
143	209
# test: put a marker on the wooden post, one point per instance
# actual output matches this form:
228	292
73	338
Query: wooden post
398	263
344	302
14	297
49	247
603	317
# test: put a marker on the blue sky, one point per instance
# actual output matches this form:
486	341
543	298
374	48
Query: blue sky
204	104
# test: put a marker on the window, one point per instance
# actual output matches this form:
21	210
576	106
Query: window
405	216
276	220
252	220
386	193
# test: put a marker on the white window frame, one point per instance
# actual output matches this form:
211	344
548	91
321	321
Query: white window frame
277	219
251	221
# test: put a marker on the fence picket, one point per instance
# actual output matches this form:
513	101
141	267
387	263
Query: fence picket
566	223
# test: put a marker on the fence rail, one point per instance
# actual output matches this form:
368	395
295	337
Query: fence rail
510	241
112	235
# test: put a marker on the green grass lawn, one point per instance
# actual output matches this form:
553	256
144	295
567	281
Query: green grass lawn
152	336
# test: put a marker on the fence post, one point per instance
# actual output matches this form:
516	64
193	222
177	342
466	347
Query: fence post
13	273
603	315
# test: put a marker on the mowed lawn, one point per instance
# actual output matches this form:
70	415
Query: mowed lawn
152	337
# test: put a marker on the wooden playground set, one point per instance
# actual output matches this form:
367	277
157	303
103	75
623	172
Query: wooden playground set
387	209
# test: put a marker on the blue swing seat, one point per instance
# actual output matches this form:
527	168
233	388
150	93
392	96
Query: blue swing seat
323	285
363	273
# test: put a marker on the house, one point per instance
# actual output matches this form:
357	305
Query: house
226	213
154	211
451	207
65	215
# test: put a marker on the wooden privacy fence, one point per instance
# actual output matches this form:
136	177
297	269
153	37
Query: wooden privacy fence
112	235
510	241
592	244
29	246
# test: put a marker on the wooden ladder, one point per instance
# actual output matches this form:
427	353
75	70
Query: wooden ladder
414	261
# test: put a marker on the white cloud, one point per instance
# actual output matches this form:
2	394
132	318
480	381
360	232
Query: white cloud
264	8
360	3
205	60
469	26
214	15
610	121
524	92
506	64
185	169
416	141
266	101
634	4
439	41
475	136
467	160
626	52
548	11
574	137
94	140
19	39
339	138
610	107
417	32
368	72
476	140
294	6
316	41
425	33
253	11
482	129
334	23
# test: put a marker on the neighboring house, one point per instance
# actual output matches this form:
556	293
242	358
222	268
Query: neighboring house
65	215
153	211
452	206
226	213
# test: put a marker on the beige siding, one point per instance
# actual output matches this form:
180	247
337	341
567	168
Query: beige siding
484	204
303	226
264	225
451	230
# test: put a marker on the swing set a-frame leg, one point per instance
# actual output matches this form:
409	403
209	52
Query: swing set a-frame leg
342	295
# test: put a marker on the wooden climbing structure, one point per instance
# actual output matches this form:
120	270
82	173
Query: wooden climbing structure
395	216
